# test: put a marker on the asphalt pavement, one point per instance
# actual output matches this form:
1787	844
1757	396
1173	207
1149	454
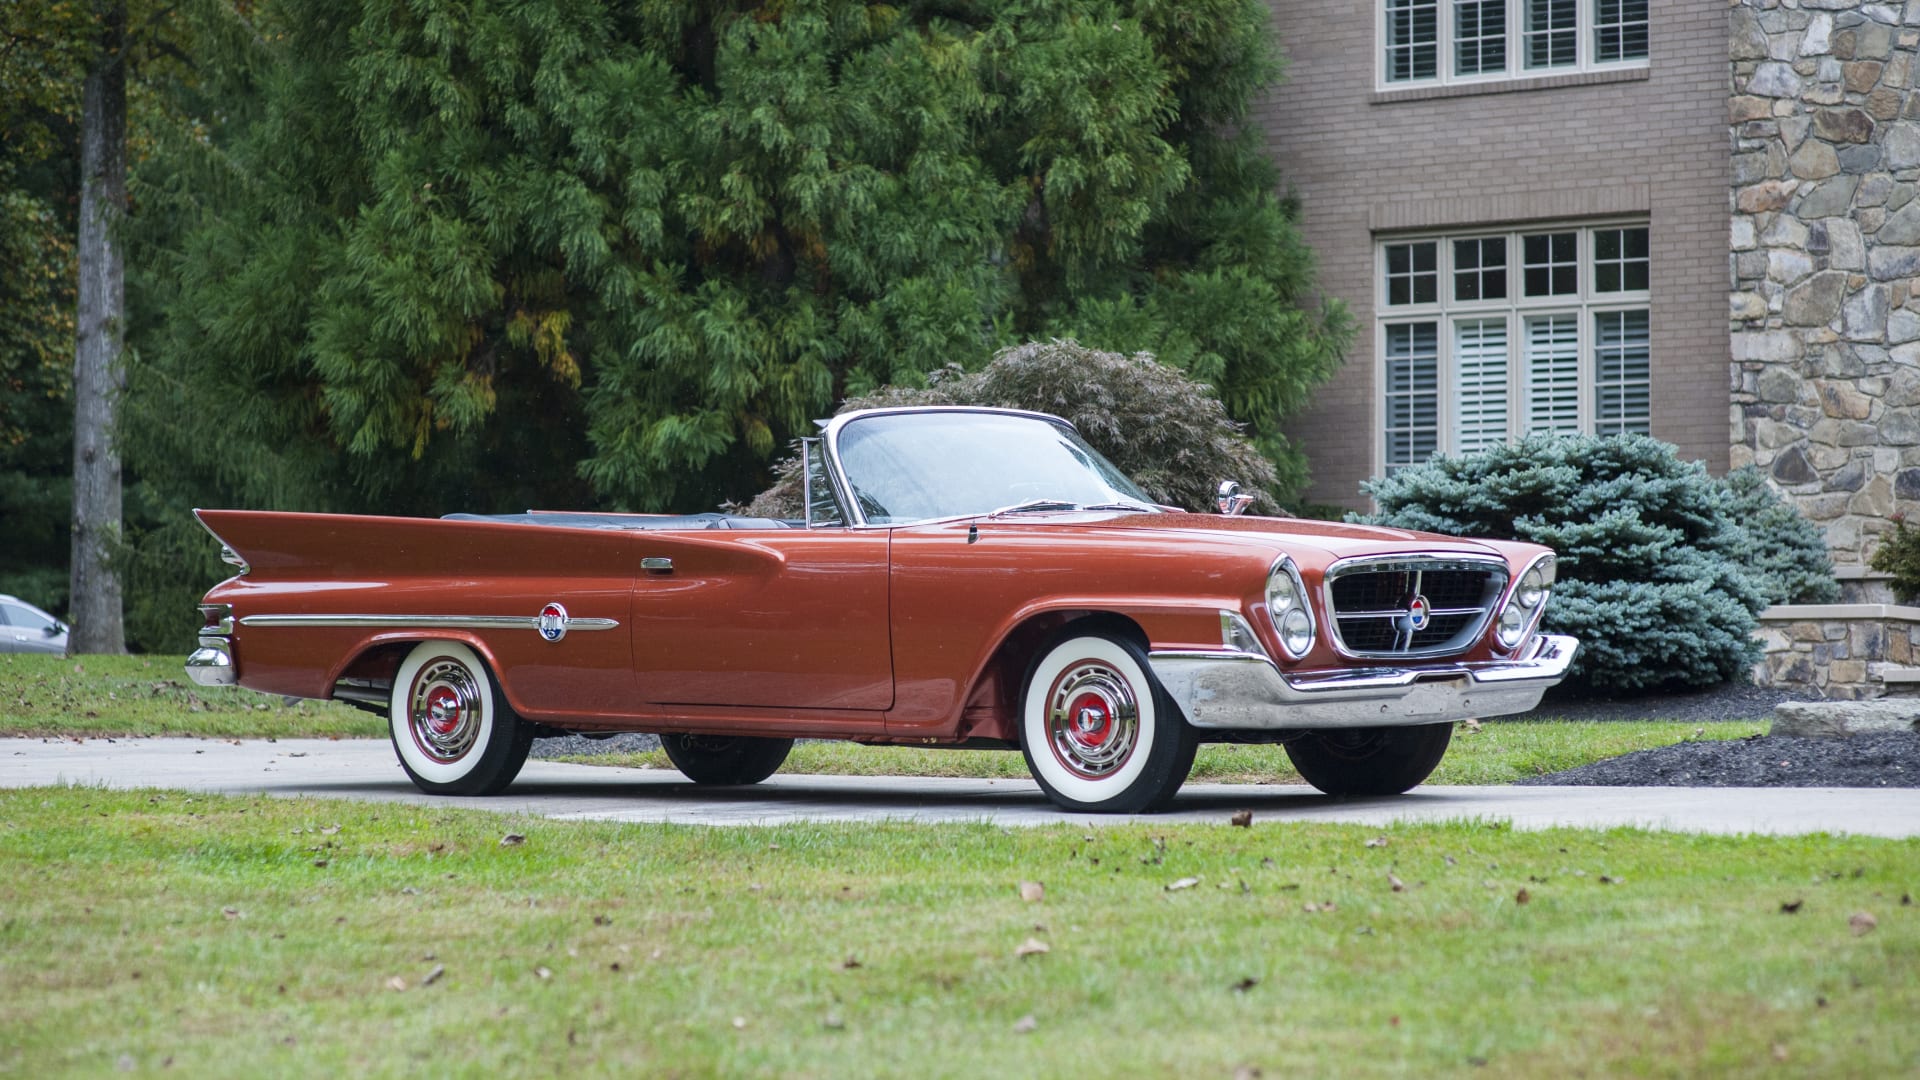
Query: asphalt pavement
365	769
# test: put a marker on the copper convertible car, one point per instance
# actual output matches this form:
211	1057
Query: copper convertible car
961	577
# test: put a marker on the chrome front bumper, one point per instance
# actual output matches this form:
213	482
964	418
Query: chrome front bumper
1246	691
212	663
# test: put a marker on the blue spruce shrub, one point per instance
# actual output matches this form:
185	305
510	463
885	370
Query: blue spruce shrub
1649	578
1783	549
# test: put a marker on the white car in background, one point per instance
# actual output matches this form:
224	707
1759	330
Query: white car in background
25	628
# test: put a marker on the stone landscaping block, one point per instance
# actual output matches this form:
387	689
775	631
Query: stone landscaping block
1839	719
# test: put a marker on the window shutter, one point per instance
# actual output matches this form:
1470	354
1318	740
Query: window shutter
1480	383
1553	373
1622	395
1413	393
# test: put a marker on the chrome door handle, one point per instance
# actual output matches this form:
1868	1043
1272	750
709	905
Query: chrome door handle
657	565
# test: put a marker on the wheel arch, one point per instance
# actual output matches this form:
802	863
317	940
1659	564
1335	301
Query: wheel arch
991	707
365	678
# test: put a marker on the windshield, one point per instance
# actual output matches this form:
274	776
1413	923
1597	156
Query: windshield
915	466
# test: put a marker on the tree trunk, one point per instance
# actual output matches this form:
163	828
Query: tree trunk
97	375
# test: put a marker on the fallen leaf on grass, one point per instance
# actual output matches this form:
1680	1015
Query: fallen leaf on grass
1791	907
320	862
396	983
849	963
1030	947
1609	879
833	1022
1243	819
1183	883
433	976
543	972
230	912
1025	1025
331	830
1245	984
1310	906
1032	892
1472	726
739	1022
1378	841
1521	897
512	839
1394	880
1246	1072
1862	922
603	920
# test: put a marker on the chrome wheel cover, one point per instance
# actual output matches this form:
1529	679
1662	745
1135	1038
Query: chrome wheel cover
445	710
1093	719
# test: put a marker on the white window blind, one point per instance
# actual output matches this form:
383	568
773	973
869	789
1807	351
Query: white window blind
1413	398
1480	384
1622	346
1553	373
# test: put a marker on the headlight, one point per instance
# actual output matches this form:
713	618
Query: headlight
1513	624
1534	586
1288	610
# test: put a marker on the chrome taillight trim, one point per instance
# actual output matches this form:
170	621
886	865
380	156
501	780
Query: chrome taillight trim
1415	563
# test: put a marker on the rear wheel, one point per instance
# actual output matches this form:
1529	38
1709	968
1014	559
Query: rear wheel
1370	761
725	759
451	726
1098	732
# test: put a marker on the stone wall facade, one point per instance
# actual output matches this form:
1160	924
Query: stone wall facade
1825	260
1843	651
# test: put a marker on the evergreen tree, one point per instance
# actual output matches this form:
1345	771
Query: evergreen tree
485	256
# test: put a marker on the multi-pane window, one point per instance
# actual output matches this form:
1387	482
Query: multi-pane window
1445	41
1413	39
1552	35
1619	30
1479	37
1469	361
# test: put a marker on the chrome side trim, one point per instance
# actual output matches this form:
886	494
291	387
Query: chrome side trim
212	663
1238	691
424	622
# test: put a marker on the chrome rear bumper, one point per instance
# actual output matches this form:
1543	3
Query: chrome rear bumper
1246	691
212	663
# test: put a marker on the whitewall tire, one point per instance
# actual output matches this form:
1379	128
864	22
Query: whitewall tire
1097	731
451	726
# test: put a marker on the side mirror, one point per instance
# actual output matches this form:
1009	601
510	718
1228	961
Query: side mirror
56	628
1230	501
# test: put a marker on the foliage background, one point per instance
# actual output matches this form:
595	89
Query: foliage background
427	256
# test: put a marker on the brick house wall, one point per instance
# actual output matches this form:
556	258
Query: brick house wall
1649	142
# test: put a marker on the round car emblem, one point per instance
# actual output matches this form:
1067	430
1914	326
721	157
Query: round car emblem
1419	613
553	622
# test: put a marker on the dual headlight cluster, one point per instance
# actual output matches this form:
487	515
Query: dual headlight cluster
1288	608
1524	603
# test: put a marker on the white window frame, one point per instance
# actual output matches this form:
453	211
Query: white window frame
1587	49
1584	303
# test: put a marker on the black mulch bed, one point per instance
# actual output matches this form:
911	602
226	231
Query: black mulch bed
1887	760
1731	701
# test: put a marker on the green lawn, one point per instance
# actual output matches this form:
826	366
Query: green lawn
150	695
208	936
1498	753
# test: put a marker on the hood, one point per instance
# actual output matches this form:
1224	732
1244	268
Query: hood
1337	540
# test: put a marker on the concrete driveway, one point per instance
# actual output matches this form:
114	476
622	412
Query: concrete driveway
365	769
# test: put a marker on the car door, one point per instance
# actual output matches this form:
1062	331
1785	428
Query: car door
764	618
25	630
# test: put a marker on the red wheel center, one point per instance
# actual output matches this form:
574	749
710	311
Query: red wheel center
1089	720
443	710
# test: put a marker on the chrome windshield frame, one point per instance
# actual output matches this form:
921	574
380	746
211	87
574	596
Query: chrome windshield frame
843	487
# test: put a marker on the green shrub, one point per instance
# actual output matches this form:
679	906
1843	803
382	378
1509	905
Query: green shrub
1784	551
1165	430
1899	555
1649	577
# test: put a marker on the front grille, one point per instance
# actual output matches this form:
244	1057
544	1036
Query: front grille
1372	602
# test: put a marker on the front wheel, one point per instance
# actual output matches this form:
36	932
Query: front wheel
1370	761
1097	731
725	759
450	724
